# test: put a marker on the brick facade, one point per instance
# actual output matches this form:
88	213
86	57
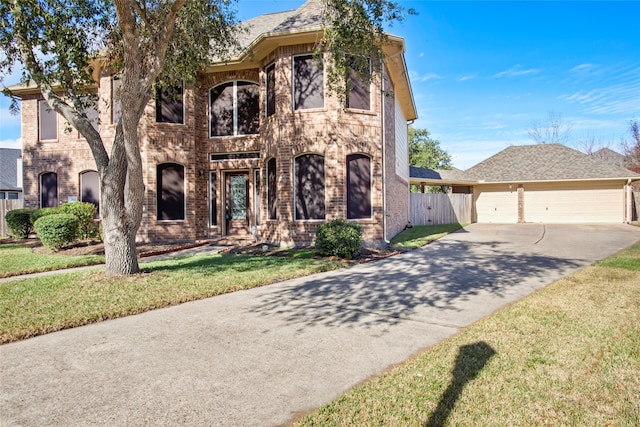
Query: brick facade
332	131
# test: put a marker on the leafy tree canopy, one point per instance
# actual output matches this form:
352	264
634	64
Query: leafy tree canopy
425	152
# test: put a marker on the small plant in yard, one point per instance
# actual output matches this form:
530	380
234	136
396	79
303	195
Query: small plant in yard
86	213
56	230
339	238
35	214
19	222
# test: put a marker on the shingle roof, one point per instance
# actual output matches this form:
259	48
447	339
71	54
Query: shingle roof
610	156
9	168
453	174
309	16
544	162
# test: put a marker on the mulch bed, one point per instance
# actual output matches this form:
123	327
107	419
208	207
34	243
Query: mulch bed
366	255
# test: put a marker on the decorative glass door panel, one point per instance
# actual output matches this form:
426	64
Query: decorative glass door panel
238	197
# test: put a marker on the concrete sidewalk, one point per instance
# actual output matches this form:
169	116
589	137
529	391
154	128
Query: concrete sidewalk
264	356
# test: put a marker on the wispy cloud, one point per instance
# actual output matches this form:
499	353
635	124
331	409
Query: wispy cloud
416	77
517	71
582	67
465	78
616	92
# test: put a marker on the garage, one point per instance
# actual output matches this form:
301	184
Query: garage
496	204
543	183
570	203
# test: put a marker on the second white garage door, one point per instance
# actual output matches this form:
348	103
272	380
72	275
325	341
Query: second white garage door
573	203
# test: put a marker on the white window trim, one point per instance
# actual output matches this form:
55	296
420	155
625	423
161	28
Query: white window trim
293	85
295	180
184	191
212	197
40	121
184	110
370	187
235	110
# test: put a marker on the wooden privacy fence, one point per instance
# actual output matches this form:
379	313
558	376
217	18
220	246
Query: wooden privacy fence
6	206
428	208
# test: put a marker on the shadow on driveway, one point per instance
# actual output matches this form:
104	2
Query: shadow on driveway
441	276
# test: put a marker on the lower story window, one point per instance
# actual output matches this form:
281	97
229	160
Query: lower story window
309	187
358	186
170	195
48	190
90	188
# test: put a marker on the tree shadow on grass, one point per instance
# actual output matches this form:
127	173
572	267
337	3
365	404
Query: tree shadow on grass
471	359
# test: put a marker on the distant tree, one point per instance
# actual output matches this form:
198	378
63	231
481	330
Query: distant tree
551	130
632	147
425	152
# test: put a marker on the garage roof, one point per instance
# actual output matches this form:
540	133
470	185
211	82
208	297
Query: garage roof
545	162
541	162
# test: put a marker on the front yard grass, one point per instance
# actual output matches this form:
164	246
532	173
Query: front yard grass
16	259
568	354
420	235
37	306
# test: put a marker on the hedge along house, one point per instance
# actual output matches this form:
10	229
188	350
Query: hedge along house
257	145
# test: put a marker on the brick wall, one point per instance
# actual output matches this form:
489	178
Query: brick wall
331	131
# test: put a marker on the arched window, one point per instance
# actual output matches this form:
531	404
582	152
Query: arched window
309	187
358	186
90	188
49	190
234	109
170	192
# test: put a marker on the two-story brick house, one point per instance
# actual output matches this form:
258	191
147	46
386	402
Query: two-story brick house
257	144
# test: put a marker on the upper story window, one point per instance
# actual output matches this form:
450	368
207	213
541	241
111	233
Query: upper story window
359	96
48	126
271	89
308	83
170	104
234	109
116	102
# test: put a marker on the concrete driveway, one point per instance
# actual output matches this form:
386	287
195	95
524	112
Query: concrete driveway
264	356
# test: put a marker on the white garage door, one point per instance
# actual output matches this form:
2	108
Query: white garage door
574	203
497	204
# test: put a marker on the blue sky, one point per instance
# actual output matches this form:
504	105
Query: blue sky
483	72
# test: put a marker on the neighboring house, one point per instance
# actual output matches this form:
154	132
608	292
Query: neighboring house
257	144
548	183
10	173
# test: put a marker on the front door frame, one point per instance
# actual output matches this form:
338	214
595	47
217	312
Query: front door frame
228	223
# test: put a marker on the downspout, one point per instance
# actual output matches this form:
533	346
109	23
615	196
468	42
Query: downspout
384	159
629	197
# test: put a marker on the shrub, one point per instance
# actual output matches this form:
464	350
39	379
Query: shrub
38	213
339	238
19	222
85	212
56	230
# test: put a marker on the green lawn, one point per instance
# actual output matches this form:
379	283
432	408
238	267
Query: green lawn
40	305
16	259
568	355
420	235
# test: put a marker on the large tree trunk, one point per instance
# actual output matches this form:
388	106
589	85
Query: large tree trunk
120	215
120	249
